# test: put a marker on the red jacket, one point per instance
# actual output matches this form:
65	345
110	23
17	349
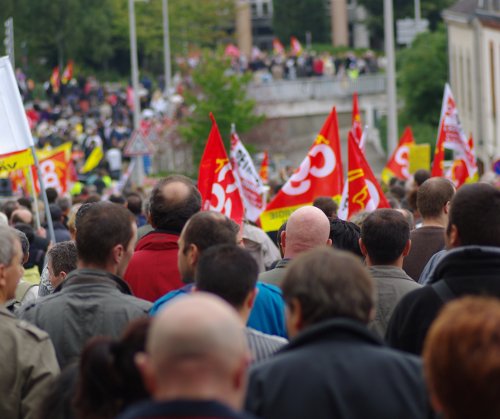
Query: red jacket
152	271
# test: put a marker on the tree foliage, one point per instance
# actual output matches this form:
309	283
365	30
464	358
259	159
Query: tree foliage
301	16
95	33
423	72
225	95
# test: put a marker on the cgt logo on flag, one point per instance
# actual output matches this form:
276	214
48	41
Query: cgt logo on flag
216	181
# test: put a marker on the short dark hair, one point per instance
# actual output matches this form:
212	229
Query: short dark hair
63	257
25	244
52	194
64	203
172	212
475	211
206	229
345	236
27	230
227	271
385	233
134	203
9	207
103	226
420	176
24	201
327	205
329	283
81	212
117	199
433	195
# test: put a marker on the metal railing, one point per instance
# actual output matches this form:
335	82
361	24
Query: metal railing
315	88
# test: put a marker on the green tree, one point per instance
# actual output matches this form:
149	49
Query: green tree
301	16
223	93
423	72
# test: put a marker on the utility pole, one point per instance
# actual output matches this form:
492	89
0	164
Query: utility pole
139	163
166	48
392	110
9	40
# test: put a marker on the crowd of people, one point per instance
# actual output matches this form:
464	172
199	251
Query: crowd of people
148	307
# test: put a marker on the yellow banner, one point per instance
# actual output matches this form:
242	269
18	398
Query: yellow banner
46	152
15	161
93	160
272	220
419	157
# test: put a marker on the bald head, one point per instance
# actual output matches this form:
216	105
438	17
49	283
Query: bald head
195	349
21	215
307	227
173	201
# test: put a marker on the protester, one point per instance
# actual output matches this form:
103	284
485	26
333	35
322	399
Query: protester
153	272
334	366
327	205
461	359
470	267
30	363
433	202
94	299
61	233
344	235
260	246
195	362
61	260
385	242
308	227
202	231
230	272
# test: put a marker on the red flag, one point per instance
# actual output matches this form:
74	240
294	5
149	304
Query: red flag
357	127
452	136
399	165
264	168
364	190
278	48
320	174
216	182
67	73
55	80
295	45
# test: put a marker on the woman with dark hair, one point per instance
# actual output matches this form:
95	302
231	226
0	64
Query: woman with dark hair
108	378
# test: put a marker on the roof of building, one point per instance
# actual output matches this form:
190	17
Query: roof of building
467	7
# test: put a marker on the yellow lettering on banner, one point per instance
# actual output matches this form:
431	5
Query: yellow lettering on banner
355	174
15	161
220	164
360	197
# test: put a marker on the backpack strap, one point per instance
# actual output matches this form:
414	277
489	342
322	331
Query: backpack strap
443	291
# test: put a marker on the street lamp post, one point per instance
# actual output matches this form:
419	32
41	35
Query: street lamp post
139	163
392	111
166	48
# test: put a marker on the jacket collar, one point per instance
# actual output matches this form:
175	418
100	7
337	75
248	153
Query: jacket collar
335	329
94	276
465	259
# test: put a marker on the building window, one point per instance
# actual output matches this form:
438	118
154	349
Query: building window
265	9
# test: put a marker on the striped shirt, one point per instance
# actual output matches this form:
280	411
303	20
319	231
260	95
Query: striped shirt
262	346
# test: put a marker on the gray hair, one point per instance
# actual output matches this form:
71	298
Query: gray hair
7	239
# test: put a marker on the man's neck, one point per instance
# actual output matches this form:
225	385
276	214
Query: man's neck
398	263
434	222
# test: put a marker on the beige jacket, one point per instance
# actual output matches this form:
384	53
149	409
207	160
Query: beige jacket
28	367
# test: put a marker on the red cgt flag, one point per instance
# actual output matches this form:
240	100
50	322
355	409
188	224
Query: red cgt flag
320	174
399	165
278	48
216	182
67	74
295	45
264	168
357	128
55	80
364	190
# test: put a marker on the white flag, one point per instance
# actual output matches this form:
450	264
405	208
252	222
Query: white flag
15	133
252	189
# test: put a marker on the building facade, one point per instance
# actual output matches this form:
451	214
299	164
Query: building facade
474	68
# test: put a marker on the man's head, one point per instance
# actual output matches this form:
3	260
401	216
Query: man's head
55	213
385	238
25	244
105	238
21	215
307	227
474	217
327	205
433	198
173	201
345	236
52	195
196	349
204	229
11	259
323	284
230	272
134	203
462	359
62	259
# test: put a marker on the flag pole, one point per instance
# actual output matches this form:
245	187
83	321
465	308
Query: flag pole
44	196
35	201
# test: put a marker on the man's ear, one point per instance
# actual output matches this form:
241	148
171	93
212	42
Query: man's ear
452	237
406	250
447	207
294	320
283	240
250	300
193	254
118	251
362	247
143	364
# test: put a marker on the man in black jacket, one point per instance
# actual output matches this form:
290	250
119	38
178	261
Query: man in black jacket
471	267
334	367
